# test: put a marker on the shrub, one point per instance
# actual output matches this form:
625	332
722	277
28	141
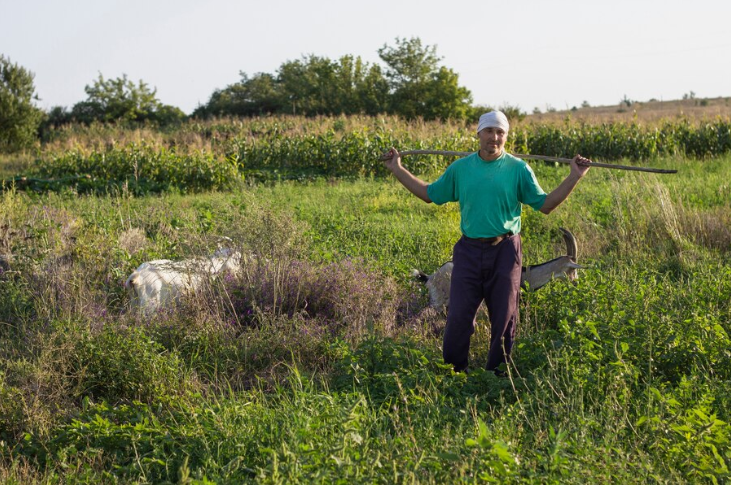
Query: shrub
127	365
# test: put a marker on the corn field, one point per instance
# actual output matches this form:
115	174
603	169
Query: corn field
214	155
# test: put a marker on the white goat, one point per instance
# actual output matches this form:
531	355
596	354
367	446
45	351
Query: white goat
532	277
160	283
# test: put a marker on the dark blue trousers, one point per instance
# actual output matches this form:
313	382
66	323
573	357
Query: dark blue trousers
483	271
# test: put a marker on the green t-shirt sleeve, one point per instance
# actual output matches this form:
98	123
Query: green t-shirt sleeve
529	191
443	189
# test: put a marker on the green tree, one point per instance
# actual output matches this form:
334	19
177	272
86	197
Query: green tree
256	95
409	62
19	117
419	86
53	119
166	115
120	99
445	98
317	85
311	86
361	87
373	91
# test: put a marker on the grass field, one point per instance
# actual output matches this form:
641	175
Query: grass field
322	364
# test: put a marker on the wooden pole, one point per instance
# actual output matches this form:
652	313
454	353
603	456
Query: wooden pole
565	161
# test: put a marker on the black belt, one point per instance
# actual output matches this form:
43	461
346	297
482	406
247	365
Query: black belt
493	241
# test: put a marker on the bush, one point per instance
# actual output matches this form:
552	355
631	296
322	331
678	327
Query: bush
116	365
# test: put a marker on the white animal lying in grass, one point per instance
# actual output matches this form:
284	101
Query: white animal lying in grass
532	278
161	283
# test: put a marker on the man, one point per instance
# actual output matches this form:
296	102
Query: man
490	186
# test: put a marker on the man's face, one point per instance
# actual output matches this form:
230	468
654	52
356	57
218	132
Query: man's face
492	142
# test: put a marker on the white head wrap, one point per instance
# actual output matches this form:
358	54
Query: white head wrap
493	119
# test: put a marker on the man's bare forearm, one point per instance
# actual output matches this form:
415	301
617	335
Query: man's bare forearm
579	166
560	193
415	185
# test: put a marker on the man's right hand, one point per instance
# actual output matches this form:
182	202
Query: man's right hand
393	163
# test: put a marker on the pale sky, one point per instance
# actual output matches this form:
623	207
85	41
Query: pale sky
527	53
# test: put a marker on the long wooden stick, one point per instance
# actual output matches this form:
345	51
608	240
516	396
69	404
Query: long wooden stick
565	161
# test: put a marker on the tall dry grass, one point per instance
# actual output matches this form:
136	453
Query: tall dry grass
648	112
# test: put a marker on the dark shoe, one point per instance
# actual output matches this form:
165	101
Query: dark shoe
500	373
464	370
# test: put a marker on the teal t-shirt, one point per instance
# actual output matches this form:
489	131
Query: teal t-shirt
490	194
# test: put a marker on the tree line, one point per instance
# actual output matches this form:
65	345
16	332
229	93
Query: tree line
410	83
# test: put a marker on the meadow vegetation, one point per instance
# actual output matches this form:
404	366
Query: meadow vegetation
320	362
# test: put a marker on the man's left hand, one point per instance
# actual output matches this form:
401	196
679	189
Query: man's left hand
580	165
